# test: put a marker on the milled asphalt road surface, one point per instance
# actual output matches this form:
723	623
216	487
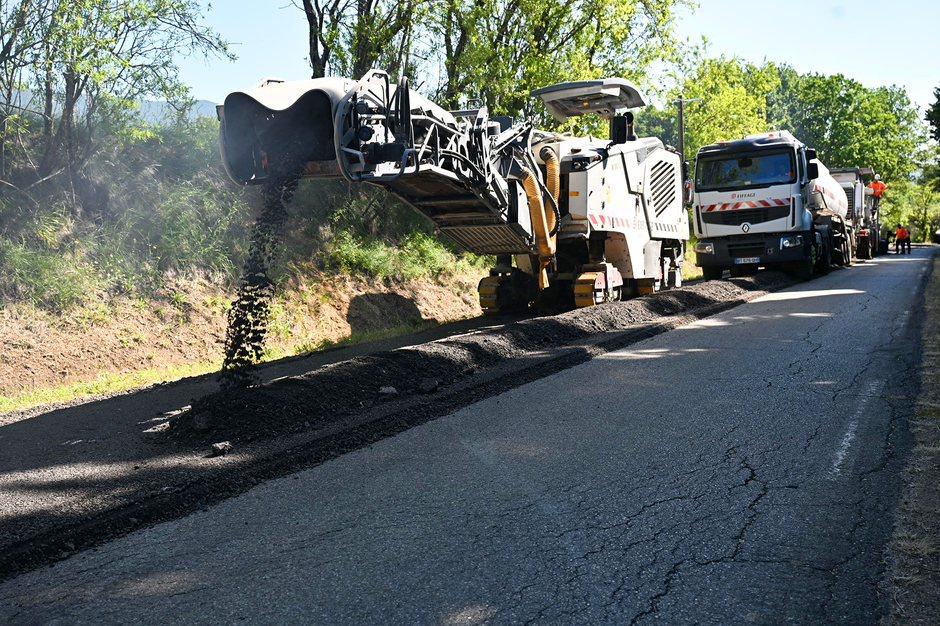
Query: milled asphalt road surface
742	469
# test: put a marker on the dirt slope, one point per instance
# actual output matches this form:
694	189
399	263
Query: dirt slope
187	324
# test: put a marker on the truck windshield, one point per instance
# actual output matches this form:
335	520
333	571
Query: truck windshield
753	169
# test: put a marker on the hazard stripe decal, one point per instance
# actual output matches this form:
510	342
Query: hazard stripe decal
611	221
747	204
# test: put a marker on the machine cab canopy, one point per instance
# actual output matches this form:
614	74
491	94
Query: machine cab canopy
603	96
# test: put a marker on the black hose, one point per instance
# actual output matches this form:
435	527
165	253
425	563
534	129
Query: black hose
470	164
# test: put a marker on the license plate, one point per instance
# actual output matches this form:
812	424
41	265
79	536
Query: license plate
747	260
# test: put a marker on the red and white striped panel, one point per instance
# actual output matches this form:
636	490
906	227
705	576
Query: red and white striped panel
842	205
615	222
752	204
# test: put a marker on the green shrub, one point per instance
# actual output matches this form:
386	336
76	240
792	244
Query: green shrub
418	254
367	255
195	229
50	279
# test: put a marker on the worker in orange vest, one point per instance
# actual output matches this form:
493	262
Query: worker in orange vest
877	188
902	237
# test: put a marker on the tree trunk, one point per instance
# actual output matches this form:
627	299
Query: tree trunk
47	97
363	49
315	20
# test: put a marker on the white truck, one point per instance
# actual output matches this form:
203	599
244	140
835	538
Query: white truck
867	225
766	201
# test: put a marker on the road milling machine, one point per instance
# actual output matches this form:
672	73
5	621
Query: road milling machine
567	218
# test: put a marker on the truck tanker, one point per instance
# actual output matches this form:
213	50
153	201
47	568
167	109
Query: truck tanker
767	201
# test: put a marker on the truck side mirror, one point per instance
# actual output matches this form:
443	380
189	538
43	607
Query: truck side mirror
810	155
618	129
812	170
686	185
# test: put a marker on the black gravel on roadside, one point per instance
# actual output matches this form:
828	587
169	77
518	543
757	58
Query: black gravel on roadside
331	394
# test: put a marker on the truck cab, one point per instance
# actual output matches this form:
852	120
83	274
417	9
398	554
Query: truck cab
763	201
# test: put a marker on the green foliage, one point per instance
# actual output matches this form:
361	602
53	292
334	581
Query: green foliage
54	280
733	101
192	228
176	209
362	254
933	115
914	205
417	255
850	125
497	51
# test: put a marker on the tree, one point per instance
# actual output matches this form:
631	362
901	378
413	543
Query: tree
350	37
102	56
497	51
931	159
491	51
21	37
732	104
933	115
926	201
850	125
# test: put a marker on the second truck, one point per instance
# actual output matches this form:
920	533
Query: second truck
767	201
867	223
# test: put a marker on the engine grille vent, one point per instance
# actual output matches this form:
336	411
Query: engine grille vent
740	216
850	196
663	186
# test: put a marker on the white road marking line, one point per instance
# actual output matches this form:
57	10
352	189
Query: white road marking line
873	390
902	319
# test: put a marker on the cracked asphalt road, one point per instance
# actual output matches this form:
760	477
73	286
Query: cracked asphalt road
741	469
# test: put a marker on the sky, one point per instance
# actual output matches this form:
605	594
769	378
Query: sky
875	43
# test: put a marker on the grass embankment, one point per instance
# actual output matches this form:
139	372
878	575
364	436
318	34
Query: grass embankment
85	341
107	383
152	338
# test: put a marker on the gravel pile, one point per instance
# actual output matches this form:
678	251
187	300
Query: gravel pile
336	392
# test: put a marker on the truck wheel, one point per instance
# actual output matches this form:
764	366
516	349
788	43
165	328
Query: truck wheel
847	254
837	255
824	264
804	269
712	272
864	250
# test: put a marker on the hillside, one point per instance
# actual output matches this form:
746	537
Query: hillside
112	343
